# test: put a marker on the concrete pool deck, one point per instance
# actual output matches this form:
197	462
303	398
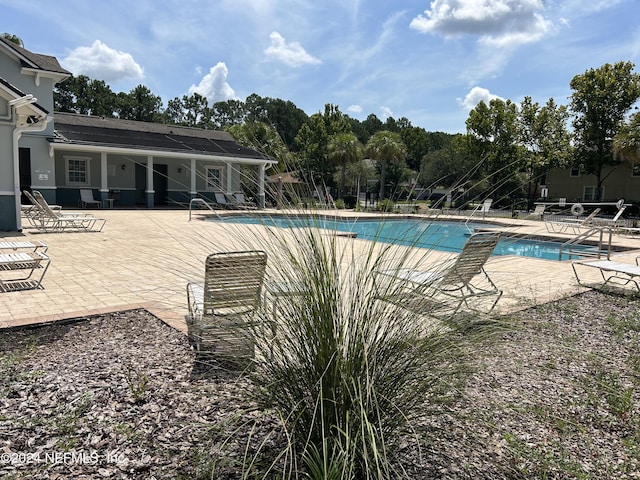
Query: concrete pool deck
145	258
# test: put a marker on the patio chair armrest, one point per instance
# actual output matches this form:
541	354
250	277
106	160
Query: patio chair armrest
195	301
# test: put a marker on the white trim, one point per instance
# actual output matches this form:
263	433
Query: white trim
159	154
87	160
9	193
594	189
55	76
221	177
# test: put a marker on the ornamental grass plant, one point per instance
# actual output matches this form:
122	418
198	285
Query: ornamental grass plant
345	371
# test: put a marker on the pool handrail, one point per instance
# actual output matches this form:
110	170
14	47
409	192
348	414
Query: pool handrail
202	202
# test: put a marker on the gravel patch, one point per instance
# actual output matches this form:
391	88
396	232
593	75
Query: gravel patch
555	395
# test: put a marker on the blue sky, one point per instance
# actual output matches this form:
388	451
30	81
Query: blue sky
429	61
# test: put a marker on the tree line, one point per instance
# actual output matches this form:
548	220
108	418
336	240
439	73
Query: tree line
505	152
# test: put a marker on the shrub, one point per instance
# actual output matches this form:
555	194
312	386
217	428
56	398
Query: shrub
385	205
346	371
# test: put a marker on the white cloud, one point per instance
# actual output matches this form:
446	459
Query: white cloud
475	96
355	109
214	85
101	62
386	112
496	22
290	53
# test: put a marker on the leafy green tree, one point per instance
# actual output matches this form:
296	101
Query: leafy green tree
283	115
312	141
416	139
190	111
600	100
343	149
544	133
64	96
103	99
13	39
85	96
626	143
385	147
196	108
372	124
358	129
175	113
453	166
494	128
139	104
228	113
359	173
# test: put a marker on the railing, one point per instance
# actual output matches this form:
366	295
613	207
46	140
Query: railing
598	250
483	208
202	203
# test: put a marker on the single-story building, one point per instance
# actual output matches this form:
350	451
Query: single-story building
123	162
140	163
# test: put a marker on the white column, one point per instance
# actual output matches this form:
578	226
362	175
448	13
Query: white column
229	174
193	191
104	182
150	191
261	199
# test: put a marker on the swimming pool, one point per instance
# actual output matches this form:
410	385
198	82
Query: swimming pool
438	235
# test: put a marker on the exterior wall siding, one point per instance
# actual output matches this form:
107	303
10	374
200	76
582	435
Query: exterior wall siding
619	183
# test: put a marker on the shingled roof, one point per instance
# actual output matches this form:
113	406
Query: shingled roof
115	133
28	59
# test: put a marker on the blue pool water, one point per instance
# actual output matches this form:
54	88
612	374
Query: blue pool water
444	236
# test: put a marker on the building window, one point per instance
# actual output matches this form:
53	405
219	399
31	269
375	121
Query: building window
575	171
590	194
214	178
77	170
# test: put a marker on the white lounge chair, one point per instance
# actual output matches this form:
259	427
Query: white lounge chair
486	205
18	270
222	309
484	208
612	222
447	286
34	211
86	198
538	212
557	224
49	220
33	246
613	274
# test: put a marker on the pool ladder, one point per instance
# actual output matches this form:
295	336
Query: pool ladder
602	247
202	203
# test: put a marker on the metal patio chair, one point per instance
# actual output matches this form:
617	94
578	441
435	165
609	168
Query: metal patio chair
448	286
223	307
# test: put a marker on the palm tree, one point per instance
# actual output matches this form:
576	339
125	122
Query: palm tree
344	148
626	143
385	147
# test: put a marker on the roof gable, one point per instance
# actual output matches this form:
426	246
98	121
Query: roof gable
36	61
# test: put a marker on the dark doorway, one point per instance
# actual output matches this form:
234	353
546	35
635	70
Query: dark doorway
24	156
160	184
